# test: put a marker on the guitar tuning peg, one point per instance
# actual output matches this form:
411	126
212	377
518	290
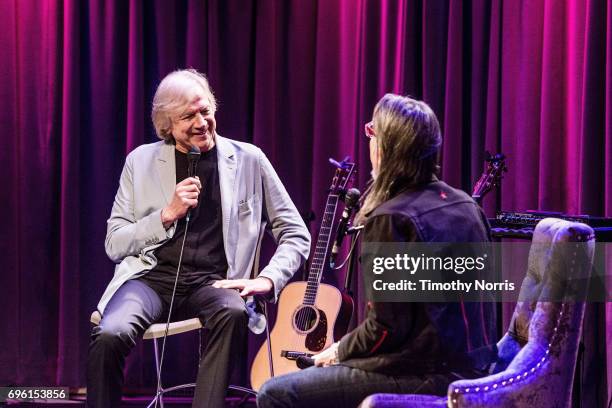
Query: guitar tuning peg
335	163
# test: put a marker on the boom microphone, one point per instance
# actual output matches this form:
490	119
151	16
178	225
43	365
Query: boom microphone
351	204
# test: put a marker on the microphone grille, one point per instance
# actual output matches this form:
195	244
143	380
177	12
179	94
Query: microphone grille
193	156
352	197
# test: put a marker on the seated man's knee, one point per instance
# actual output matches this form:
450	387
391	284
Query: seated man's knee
236	314
264	395
233	312
270	395
114	334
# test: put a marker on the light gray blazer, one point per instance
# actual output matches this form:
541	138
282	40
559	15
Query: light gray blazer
251	195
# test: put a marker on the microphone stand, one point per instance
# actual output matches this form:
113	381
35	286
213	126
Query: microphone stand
348	279
354	232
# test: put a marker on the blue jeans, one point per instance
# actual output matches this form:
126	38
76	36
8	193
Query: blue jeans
340	386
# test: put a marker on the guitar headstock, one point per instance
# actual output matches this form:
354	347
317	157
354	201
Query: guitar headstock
496	166
345	171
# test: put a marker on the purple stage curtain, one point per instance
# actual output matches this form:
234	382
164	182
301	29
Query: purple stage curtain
299	79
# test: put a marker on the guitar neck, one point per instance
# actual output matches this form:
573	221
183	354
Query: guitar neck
320	253
480	188
490	178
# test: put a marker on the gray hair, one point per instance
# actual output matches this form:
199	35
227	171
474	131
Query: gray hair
174	93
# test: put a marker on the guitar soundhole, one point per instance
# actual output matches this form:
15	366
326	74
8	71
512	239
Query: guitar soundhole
305	319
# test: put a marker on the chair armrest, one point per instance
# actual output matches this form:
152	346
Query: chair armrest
498	390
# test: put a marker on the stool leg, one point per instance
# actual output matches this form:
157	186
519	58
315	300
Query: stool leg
159	397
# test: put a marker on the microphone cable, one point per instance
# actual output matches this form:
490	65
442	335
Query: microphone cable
193	156
357	232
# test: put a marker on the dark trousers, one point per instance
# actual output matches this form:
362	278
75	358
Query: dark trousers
340	386
134	307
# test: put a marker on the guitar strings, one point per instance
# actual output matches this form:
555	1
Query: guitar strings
303	317
303	314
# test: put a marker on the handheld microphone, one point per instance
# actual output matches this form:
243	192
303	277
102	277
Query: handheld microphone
351	204
193	157
304	362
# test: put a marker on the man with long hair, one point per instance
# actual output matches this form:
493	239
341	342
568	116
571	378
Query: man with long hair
401	347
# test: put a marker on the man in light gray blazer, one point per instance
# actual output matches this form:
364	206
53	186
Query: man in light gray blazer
234	194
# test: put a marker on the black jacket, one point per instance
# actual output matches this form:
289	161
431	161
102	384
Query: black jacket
415	338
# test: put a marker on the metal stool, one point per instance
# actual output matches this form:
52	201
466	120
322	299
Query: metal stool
156	331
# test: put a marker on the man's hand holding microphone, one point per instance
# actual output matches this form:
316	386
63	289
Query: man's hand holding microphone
185	197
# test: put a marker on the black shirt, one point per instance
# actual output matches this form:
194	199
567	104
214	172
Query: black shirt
204	255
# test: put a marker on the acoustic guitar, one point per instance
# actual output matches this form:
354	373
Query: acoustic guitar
311	315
